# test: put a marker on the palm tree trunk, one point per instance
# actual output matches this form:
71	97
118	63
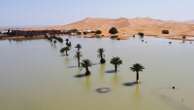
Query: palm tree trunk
66	53
78	60
137	76
87	71
101	57
115	68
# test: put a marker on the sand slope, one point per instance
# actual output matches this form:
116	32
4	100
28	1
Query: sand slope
128	27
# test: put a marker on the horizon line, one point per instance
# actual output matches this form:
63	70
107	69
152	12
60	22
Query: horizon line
92	17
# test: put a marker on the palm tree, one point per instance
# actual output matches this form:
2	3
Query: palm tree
78	47
137	68
68	44
116	61
101	55
165	32
78	55
141	34
54	41
98	32
65	49
67	41
184	39
86	64
113	30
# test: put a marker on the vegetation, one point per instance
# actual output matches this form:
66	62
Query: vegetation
137	68
30	33
65	49
85	33
101	55
78	47
184	39
165	31
68	43
113	30
79	33
73	32
98	32
78	55
54	41
59	39
116	61
53	37
141	34
114	36
86	64
93	33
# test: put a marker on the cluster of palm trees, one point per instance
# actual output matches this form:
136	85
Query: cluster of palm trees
66	48
86	63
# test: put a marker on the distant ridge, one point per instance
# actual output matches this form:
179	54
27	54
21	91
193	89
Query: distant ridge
131	26
128	27
191	21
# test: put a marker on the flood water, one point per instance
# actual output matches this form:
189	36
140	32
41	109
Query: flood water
35	76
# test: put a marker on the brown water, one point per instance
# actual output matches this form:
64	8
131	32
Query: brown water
34	76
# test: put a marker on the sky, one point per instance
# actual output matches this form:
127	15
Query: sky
53	12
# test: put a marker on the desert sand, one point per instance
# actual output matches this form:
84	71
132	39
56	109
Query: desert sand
129	27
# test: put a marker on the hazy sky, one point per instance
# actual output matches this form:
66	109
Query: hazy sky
48	12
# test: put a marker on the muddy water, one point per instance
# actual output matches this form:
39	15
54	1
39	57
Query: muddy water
35	76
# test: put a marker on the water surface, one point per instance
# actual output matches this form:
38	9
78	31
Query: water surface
35	76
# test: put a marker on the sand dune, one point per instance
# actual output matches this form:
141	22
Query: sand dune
128	27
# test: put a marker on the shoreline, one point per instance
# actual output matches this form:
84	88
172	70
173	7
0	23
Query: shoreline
18	38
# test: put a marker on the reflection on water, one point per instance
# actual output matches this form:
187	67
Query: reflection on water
66	60
53	45
34	76
102	71
87	83
137	97
115	80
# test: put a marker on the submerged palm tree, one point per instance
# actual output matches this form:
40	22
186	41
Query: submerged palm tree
69	44
78	55
86	64
65	49
116	61
137	68
67	41
101	55
78	47
54	41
